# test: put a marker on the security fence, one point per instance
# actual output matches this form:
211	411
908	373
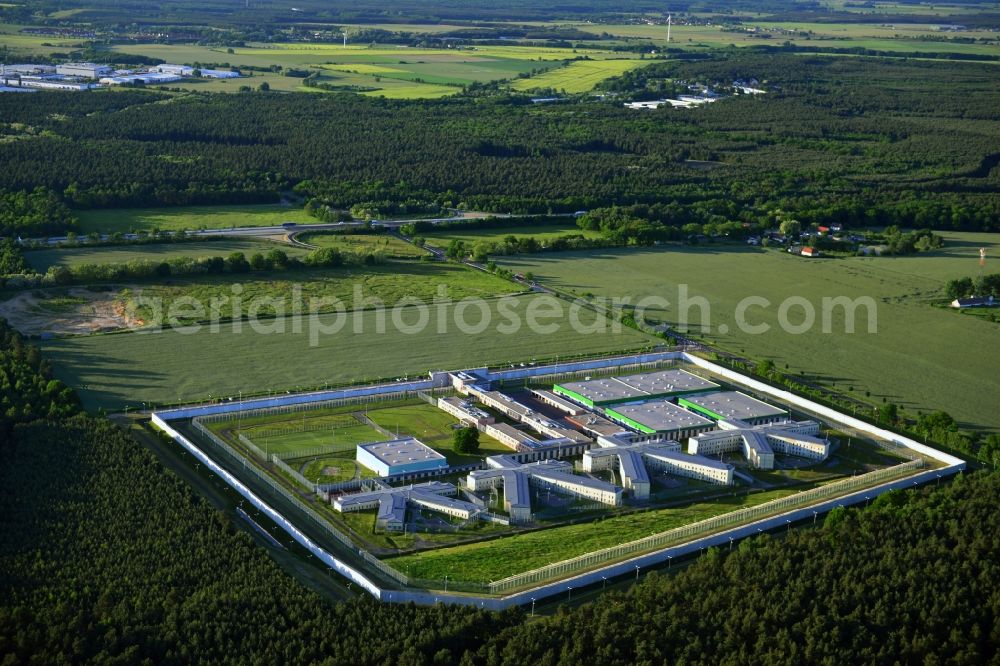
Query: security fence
715	524
316	451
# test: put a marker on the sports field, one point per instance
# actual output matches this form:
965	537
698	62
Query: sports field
434	427
919	356
126	220
364	243
112	371
41	260
541	233
577	77
492	560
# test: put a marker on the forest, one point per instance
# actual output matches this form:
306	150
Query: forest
108	556
835	140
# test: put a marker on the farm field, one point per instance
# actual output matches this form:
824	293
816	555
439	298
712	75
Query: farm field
364	243
386	284
41	260
499	558
112	371
125	220
546	232
578	77
921	357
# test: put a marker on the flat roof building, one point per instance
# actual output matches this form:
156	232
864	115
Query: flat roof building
86	70
399	456
692	466
393	503
642	386
557	475
733	405
628	459
759	443
660	417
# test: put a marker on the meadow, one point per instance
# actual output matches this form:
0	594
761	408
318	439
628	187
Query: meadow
487	561
920	357
42	260
112	371
541	233
126	220
364	243
354	287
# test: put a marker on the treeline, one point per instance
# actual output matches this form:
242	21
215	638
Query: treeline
39	212
234	263
855	141
28	391
981	285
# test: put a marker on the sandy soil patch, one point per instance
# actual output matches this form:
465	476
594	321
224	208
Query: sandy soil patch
72	311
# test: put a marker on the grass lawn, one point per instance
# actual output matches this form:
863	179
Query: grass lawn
125	220
338	433
577	77
433	427
492	560
112	371
544	232
41	260
920	356
332	468
364	243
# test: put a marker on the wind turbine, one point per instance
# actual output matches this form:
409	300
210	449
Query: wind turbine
670	22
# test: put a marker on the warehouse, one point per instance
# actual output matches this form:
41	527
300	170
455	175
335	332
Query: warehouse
399	456
86	70
660	417
643	386
733	405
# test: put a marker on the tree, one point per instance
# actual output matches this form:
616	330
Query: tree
264	87
466	440
791	228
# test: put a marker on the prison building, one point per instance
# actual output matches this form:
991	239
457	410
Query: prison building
733	405
464	411
516	477
643	386
660	417
759	443
393	503
626	457
596	425
551	399
399	456
692	466
510	436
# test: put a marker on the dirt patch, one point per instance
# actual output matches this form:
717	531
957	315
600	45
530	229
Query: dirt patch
74	311
331	471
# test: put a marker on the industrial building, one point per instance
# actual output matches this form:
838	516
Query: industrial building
759	443
399	456
556	475
27	69
48	83
185	70
733	406
660	417
147	78
393	503
85	70
643	386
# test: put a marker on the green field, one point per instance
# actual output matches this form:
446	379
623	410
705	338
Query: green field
125	220
577	77
340	430
541	233
385	283
112	371
364	243
492	560
41	260
921	357
433	427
